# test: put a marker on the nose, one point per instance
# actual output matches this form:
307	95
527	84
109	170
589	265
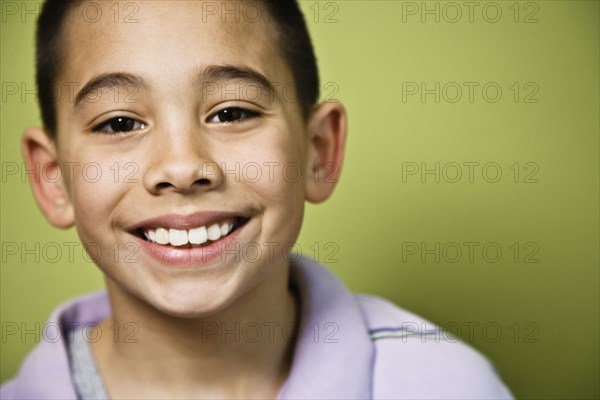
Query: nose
182	165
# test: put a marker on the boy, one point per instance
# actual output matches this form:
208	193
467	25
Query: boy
203	299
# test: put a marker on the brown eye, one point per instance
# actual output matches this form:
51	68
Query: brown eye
232	114
119	125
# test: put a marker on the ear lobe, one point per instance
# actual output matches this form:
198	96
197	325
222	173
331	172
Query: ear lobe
327	139
45	177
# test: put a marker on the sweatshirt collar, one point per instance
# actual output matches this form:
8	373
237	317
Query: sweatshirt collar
334	355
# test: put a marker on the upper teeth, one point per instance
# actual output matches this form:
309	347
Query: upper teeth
178	237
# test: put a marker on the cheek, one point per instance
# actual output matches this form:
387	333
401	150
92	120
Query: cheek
274	175
96	188
272	169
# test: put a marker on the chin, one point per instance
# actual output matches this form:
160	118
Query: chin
194	303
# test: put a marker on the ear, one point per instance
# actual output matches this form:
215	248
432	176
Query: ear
327	138
46	179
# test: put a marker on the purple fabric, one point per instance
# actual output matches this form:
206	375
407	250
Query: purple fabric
426	364
45	373
343	362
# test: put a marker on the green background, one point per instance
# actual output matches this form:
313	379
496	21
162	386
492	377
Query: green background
546	311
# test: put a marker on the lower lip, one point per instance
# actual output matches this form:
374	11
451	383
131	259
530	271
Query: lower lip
194	256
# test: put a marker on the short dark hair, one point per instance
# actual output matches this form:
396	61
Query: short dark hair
293	37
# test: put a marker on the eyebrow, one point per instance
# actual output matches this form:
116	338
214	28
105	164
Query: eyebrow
220	73
209	74
114	80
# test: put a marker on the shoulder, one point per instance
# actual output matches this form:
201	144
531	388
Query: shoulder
45	372
415	359
7	390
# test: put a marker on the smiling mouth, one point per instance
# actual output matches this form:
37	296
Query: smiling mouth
191	238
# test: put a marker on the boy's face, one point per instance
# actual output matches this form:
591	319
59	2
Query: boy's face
194	140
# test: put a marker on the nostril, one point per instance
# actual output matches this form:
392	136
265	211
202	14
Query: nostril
202	182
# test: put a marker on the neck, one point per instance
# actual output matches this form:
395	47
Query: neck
241	352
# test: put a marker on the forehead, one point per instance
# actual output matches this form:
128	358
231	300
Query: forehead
168	41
